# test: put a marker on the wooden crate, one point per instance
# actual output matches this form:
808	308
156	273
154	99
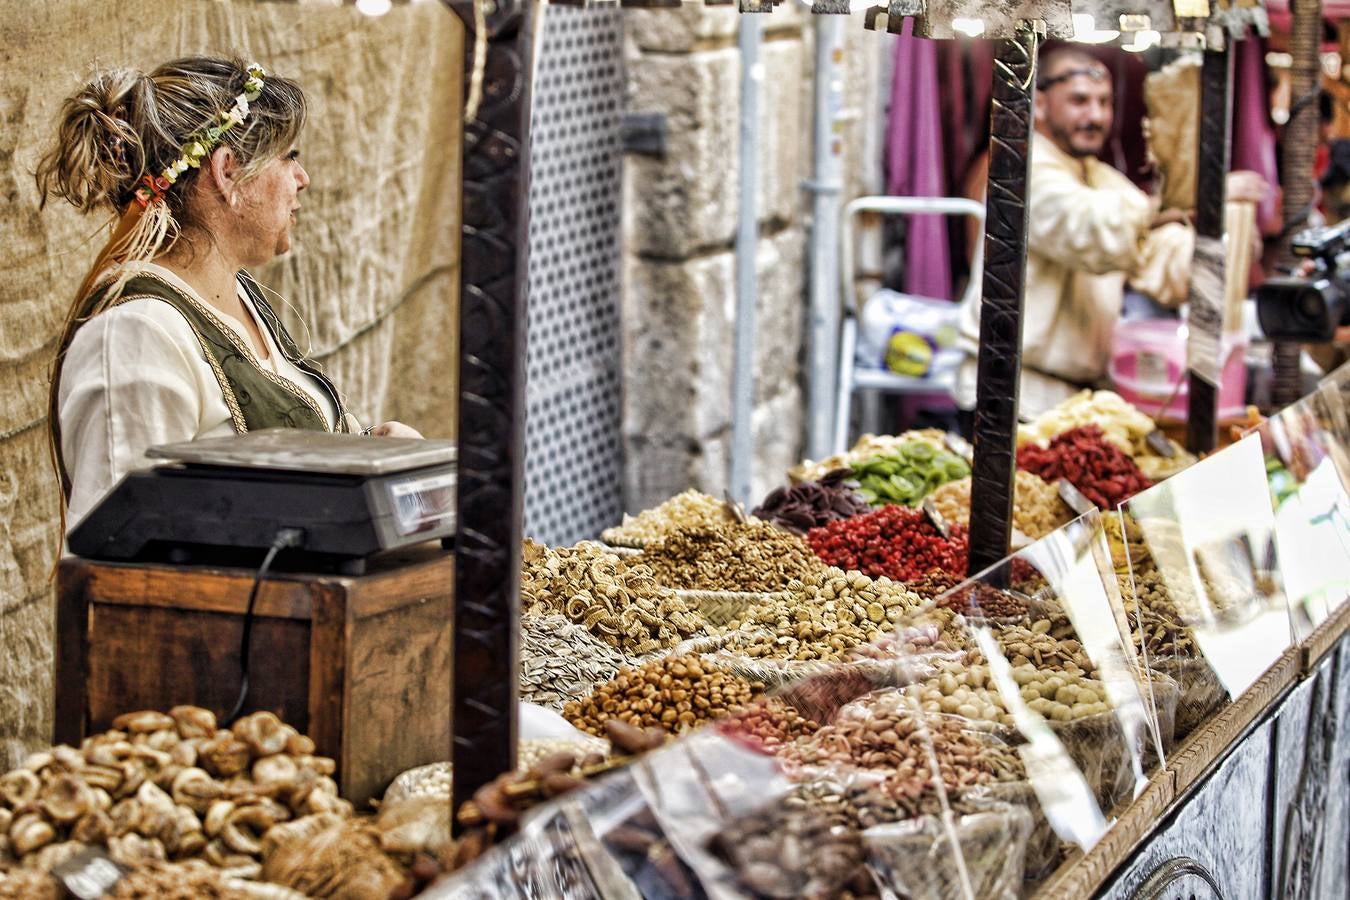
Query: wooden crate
361	664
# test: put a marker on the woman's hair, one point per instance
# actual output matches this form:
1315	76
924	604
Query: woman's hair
124	124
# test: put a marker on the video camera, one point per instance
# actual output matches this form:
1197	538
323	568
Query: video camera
1309	308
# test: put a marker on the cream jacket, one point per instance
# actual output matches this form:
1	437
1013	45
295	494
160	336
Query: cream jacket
1087	234
134	376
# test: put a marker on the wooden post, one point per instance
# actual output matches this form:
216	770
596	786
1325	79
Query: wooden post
1296	169
492	316
1005	259
1204	349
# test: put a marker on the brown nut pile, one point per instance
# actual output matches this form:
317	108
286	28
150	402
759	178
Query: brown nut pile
985	601
620	604
967	691
1035	645
769	723
933	585
792	848
675	693
880	732
754	557
561	661
1128	547
1037	508
161	787
691	509
821	616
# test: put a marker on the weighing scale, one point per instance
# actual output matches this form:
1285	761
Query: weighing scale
224	501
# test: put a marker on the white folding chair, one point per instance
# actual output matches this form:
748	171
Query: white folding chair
854	378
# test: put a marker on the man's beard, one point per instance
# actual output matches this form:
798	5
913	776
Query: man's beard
1065	138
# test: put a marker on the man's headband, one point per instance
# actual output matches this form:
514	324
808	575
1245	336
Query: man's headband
1096	73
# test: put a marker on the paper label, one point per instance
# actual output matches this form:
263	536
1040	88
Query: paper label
1159	444
89	874
1071	495
1204	354
930	510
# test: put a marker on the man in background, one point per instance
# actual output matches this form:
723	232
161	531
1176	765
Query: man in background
1090	233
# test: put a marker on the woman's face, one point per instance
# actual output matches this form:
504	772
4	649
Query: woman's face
268	205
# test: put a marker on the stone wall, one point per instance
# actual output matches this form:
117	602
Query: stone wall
680	217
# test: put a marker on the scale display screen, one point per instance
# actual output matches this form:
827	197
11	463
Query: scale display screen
423	503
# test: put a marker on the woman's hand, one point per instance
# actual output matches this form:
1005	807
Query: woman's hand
395	430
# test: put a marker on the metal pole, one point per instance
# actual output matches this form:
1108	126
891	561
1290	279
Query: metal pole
1204	347
825	187
747	279
1296	169
1005	258
492	327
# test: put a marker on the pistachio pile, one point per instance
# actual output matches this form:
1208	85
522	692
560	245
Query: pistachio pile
770	723
691	509
621	604
1156	625
1037	508
1035	645
561	661
754	557
675	693
934	630
821	616
159	787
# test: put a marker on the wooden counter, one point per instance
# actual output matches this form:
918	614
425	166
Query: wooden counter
362	664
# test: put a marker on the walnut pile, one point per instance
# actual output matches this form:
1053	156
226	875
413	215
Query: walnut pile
752	557
166	787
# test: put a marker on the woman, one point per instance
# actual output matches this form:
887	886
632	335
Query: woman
169	339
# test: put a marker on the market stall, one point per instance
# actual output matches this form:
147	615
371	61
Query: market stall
1030	667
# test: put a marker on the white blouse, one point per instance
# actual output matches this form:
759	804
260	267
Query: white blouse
135	376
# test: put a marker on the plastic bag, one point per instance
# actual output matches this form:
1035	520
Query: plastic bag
917	860
909	335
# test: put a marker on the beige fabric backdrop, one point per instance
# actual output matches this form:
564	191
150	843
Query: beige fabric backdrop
374	271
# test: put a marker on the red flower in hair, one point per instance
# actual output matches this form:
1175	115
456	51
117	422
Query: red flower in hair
162	184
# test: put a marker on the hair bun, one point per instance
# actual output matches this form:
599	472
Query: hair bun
98	154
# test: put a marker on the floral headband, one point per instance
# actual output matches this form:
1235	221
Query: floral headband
201	142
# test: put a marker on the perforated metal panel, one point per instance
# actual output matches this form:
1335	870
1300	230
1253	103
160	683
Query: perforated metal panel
572	461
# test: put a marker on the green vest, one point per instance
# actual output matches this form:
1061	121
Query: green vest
255	397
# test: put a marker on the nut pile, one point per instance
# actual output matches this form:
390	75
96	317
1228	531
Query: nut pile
880	731
792	848
755	557
1035	645
1037	508
929	631
619	603
437	779
160	787
1129	548
561	661
192	880
770	723
907	474
821	616
1089	462
985	601
896	542
692	509
805	506
676	693
1156	625
933	584
967	691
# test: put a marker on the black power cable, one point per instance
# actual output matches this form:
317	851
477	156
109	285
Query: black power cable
286	537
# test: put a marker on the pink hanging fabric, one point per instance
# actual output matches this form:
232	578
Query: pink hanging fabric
1253	131
915	161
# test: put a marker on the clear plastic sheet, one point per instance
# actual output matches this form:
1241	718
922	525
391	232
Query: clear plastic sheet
917	859
1069	671
1312	508
1203	601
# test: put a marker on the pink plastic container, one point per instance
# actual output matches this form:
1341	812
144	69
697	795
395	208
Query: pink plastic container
1148	364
